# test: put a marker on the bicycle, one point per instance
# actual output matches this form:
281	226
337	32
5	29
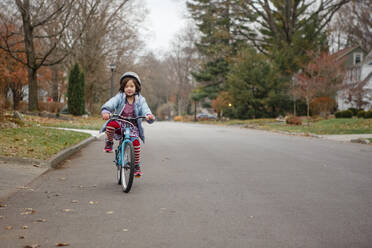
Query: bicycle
124	154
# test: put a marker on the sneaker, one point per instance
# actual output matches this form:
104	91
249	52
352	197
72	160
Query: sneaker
137	171
108	146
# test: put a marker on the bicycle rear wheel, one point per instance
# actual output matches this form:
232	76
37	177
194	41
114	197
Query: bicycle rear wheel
127	170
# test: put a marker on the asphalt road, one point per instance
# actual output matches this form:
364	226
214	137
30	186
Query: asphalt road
203	186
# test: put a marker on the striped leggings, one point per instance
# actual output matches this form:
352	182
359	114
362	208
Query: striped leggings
113	127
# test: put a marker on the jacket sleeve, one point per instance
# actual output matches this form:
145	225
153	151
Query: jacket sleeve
111	104
145	110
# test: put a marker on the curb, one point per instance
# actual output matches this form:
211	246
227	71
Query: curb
55	161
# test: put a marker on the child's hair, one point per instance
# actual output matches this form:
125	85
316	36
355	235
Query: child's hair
124	82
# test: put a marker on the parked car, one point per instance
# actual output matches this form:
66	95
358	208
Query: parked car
205	116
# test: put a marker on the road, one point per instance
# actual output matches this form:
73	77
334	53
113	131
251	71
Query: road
203	186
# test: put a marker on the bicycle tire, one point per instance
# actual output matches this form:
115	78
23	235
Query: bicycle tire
127	171
118	162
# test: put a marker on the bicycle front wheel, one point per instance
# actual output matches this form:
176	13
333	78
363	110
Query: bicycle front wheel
127	170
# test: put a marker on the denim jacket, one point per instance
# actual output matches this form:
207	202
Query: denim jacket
116	104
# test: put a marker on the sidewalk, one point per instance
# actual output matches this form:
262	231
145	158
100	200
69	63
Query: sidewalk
16	174
346	137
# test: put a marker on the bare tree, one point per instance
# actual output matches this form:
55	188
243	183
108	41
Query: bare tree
38	45
182	60
353	25
110	36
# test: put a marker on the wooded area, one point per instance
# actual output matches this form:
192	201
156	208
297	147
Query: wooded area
241	58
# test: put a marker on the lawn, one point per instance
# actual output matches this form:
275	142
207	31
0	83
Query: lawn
36	142
92	122
330	126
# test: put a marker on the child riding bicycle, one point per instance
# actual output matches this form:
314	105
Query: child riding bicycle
127	103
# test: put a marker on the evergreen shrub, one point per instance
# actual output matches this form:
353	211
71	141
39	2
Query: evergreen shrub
368	114
361	113
354	111
344	114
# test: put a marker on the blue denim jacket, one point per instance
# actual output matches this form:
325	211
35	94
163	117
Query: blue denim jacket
116	104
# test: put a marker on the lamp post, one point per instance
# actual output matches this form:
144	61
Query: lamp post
112	67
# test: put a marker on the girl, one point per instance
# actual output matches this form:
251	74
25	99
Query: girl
128	103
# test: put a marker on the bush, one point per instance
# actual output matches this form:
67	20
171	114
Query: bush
354	111
361	113
293	120
344	114
178	118
76	91
368	114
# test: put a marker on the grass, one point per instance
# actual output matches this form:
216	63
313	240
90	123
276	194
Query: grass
93	123
36	142
322	127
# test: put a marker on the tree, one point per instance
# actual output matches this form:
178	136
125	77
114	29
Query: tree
221	103
354	25
287	29
110	36
13	75
357	93
34	16
183	58
321	77
76	91
221	24
251	85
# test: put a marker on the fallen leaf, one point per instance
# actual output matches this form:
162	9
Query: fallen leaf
93	202
24	227
3	205
62	244
32	246
74	201
67	210
109	212
40	220
28	211
8	228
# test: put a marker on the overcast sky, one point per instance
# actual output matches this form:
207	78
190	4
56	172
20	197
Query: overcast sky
165	18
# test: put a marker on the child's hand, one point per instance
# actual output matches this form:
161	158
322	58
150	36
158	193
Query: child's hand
105	116
150	117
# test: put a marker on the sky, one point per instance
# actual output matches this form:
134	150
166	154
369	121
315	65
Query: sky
165	18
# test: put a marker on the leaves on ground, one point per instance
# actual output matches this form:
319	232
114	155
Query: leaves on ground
62	244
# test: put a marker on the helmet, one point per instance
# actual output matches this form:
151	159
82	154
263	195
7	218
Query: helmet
132	75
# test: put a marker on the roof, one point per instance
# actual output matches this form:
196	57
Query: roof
344	52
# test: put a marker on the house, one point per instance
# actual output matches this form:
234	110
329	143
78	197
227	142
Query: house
358	79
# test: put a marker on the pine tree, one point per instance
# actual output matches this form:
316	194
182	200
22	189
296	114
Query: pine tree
76	92
221	24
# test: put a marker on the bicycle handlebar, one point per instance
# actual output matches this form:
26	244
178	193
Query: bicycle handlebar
116	116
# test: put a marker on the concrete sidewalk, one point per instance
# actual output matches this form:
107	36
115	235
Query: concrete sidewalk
346	137
17	173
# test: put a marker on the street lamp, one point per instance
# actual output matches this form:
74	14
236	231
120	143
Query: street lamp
112	67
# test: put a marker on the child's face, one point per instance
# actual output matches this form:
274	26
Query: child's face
130	88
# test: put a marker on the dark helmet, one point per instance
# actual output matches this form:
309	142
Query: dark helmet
132	75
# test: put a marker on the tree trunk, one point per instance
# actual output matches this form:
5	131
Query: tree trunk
30	54
55	92
17	94
33	104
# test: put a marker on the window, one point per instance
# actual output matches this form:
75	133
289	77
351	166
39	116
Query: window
358	57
